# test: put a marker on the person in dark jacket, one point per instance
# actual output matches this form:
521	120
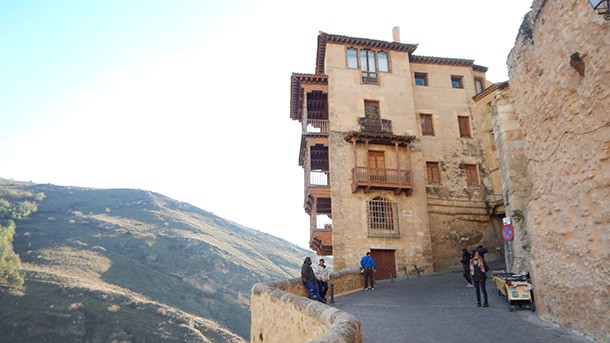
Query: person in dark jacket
308	277
478	270
466	265
481	249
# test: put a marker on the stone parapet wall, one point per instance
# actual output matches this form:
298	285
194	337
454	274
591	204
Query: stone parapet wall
281	312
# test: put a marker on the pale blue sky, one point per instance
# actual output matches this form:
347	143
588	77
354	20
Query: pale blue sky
190	99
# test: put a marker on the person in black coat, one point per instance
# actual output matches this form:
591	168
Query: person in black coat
308	278
481	249
466	265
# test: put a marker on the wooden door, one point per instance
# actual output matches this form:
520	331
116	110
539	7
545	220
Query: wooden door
385	262
377	166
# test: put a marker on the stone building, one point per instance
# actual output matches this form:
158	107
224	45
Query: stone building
391	156
555	159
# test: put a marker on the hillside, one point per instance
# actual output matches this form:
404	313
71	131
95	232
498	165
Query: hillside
135	266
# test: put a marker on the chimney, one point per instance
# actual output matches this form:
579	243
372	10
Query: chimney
396	34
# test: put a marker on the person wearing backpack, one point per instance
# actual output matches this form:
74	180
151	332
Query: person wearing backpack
478	270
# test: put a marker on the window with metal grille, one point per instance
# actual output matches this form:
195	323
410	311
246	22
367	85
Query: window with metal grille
479	84
382	218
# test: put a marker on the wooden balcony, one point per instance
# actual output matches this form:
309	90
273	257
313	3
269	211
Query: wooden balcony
395	179
375	125
317	192
315	126
321	241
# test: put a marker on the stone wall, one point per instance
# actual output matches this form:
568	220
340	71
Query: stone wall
560	81
281	312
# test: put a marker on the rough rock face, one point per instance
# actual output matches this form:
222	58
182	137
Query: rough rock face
560	79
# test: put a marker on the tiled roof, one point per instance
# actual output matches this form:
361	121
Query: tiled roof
447	61
492	88
324	38
295	89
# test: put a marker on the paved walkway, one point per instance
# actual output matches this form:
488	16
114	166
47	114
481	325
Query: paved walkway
439	308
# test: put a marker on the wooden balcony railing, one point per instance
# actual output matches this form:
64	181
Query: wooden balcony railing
375	125
318	178
313	126
397	179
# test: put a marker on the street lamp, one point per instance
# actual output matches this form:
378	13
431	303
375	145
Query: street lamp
602	7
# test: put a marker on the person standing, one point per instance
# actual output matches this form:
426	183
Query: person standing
368	266
481	249
466	265
322	276
478	270
308	277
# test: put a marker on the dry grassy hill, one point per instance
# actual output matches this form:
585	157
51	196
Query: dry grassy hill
128	265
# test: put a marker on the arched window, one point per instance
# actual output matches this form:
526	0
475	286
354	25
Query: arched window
382	218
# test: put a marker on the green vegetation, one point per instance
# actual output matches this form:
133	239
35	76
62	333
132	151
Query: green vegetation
14	204
130	265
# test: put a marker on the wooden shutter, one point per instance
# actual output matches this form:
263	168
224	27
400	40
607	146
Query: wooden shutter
426	124
472	177
464	124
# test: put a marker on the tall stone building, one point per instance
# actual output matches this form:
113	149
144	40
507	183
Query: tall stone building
555	161
391	156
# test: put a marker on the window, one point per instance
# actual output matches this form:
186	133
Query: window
352	58
367	60
433	171
382	59
421	79
382	218
370	61
479	84
464	124
426	124
371	109
472	178
456	81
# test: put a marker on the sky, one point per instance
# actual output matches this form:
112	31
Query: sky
191	98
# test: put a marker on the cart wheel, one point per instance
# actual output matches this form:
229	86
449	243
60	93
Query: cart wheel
511	308
532	306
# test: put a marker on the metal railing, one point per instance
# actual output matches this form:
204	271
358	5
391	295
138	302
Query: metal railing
370	78
375	125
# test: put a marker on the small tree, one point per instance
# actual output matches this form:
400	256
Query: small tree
10	264
20	207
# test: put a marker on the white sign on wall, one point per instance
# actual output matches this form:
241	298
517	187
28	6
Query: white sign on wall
505	220
407	213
